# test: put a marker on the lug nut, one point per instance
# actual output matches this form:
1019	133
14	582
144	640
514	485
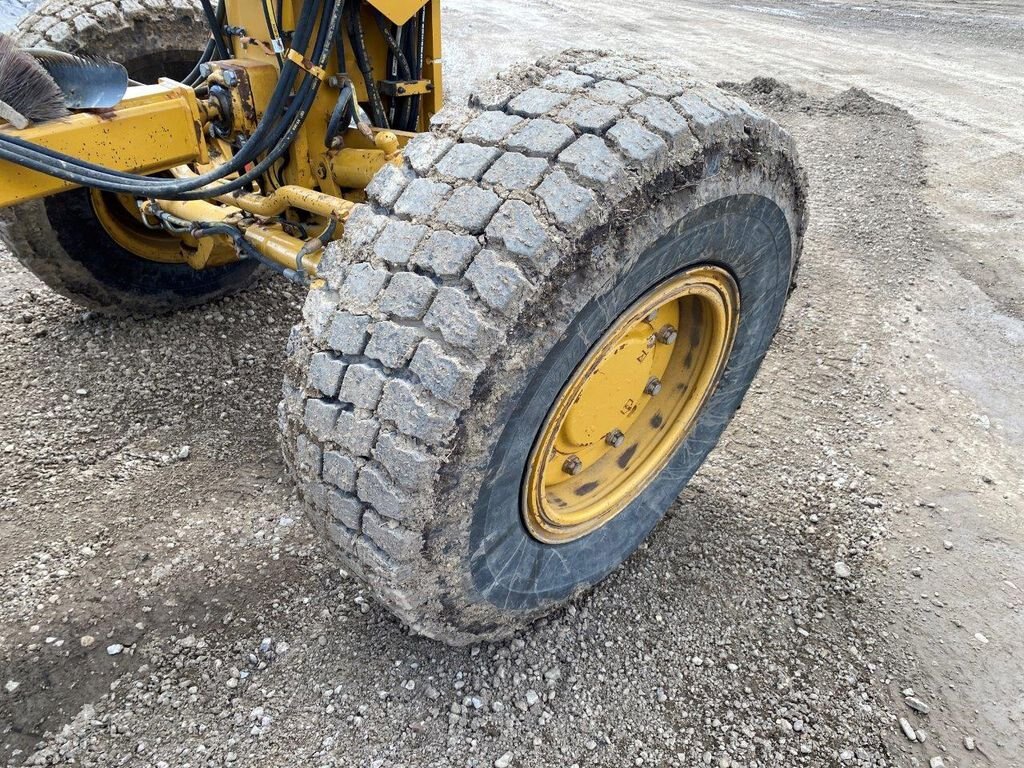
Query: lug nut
653	386
667	335
615	438
652	317
572	465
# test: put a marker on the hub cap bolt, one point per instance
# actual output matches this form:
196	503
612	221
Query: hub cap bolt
572	465
615	438
653	386
667	335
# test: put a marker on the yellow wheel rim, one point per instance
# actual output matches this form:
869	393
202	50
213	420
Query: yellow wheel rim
120	218
630	404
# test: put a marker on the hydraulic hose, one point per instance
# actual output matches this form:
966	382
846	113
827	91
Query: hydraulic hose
216	28
400	114
418	61
358	38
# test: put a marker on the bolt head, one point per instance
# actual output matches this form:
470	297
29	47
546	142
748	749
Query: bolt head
667	335
653	386
572	465
615	438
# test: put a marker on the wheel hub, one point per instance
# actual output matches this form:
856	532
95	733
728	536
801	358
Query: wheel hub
630	404
120	218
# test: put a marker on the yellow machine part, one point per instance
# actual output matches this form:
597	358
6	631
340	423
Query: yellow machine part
309	145
398	11
162	127
630	404
155	127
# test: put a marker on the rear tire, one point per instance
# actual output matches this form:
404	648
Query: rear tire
61	240
459	303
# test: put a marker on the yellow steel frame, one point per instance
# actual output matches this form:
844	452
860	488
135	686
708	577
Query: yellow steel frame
312	163
155	127
163	127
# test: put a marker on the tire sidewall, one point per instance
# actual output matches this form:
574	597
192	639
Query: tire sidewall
506	569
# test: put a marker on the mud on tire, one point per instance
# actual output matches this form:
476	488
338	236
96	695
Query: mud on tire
473	281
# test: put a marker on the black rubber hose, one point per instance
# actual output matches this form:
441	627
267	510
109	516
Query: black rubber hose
211	47
271	22
341	116
216	29
210	229
193	77
358	37
417	73
399	106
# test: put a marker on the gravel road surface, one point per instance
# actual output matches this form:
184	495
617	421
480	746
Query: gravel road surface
840	585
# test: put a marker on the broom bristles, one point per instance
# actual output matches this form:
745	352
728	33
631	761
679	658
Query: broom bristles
26	87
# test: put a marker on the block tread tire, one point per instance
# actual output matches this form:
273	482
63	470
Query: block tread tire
463	270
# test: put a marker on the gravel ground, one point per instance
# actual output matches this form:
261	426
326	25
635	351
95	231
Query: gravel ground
843	573
10	12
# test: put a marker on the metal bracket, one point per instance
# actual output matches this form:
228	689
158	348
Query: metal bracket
297	58
405	87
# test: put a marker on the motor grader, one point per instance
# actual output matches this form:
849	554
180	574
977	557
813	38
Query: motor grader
529	318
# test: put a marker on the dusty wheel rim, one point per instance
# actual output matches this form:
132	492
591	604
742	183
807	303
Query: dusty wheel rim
121	219
630	404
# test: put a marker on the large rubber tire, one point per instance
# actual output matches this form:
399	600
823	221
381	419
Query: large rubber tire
459	302
60	239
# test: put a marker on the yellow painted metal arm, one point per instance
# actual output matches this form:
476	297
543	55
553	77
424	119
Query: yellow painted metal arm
154	128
